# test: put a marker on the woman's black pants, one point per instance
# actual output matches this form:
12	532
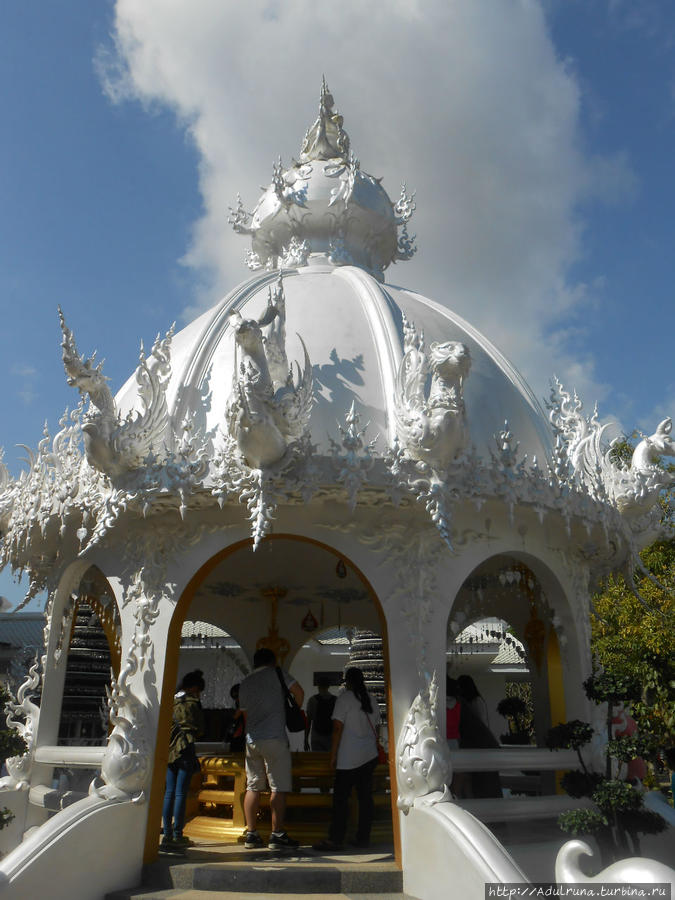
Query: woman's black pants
360	778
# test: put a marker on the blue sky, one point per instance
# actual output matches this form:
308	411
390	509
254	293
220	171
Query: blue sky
540	138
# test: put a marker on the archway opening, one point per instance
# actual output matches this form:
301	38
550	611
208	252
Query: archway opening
90	637
503	639
317	612
90	630
490	653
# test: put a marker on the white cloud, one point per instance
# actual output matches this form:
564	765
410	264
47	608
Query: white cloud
23	370
465	100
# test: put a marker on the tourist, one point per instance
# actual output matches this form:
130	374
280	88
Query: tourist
474	734
452	712
187	726
320	717
268	757
461	781
353	755
472	698
625	726
235	733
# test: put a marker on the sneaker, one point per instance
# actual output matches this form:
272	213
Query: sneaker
171	848
281	841
183	841
253	840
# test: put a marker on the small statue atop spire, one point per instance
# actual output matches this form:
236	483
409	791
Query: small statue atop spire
324	209
326	139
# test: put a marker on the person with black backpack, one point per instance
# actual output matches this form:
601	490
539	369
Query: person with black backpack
320	717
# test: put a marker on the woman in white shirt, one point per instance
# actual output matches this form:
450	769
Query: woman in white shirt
353	756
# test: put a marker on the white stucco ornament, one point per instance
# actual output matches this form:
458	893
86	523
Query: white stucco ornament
5	495
632	489
634	870
114	445
324	205
19	767
430	415
126	764
269	407
353	458
422	755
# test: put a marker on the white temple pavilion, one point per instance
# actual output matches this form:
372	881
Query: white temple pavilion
322	442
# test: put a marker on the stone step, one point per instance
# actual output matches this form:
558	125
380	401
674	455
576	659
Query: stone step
260	873
180	894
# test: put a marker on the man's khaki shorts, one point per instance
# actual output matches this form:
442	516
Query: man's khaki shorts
268	762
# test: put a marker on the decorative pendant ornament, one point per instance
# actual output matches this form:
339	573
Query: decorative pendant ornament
309	623
341	569
273	640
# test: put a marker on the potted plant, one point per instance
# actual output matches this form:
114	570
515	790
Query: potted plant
514	710
617	817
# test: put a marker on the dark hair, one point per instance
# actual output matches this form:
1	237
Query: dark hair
234	691
193	680
323	681
467	688
354	683
264	657
451	687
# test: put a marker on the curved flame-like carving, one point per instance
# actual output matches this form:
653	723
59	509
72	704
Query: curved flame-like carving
6	495
114	445
19	767
269	406
635	870
633	490
431	425
422	755
126	764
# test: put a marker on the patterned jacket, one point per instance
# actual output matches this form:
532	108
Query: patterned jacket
188	725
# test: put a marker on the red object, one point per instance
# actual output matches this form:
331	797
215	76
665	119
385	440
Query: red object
624	725
452	721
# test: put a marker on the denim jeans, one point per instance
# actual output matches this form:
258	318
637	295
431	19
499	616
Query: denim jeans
360	778
178	777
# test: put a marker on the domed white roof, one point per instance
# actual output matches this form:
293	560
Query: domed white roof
333	230
352	327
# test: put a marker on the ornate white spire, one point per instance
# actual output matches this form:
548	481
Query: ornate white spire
326	139
325	209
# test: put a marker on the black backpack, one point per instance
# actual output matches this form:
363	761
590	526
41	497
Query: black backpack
323	718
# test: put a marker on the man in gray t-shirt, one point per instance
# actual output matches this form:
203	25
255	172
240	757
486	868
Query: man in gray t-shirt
268	757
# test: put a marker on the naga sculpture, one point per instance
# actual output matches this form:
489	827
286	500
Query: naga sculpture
114	445
422	754
126	764
19	767
269	405
6	496
431	420
633	871
633	489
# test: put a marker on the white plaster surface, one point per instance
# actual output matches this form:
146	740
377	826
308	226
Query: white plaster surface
444	844
82	853
352	327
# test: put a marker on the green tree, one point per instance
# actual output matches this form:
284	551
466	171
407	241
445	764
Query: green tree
634	640
638	642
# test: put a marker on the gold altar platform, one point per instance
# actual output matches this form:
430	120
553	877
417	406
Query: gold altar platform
215	808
